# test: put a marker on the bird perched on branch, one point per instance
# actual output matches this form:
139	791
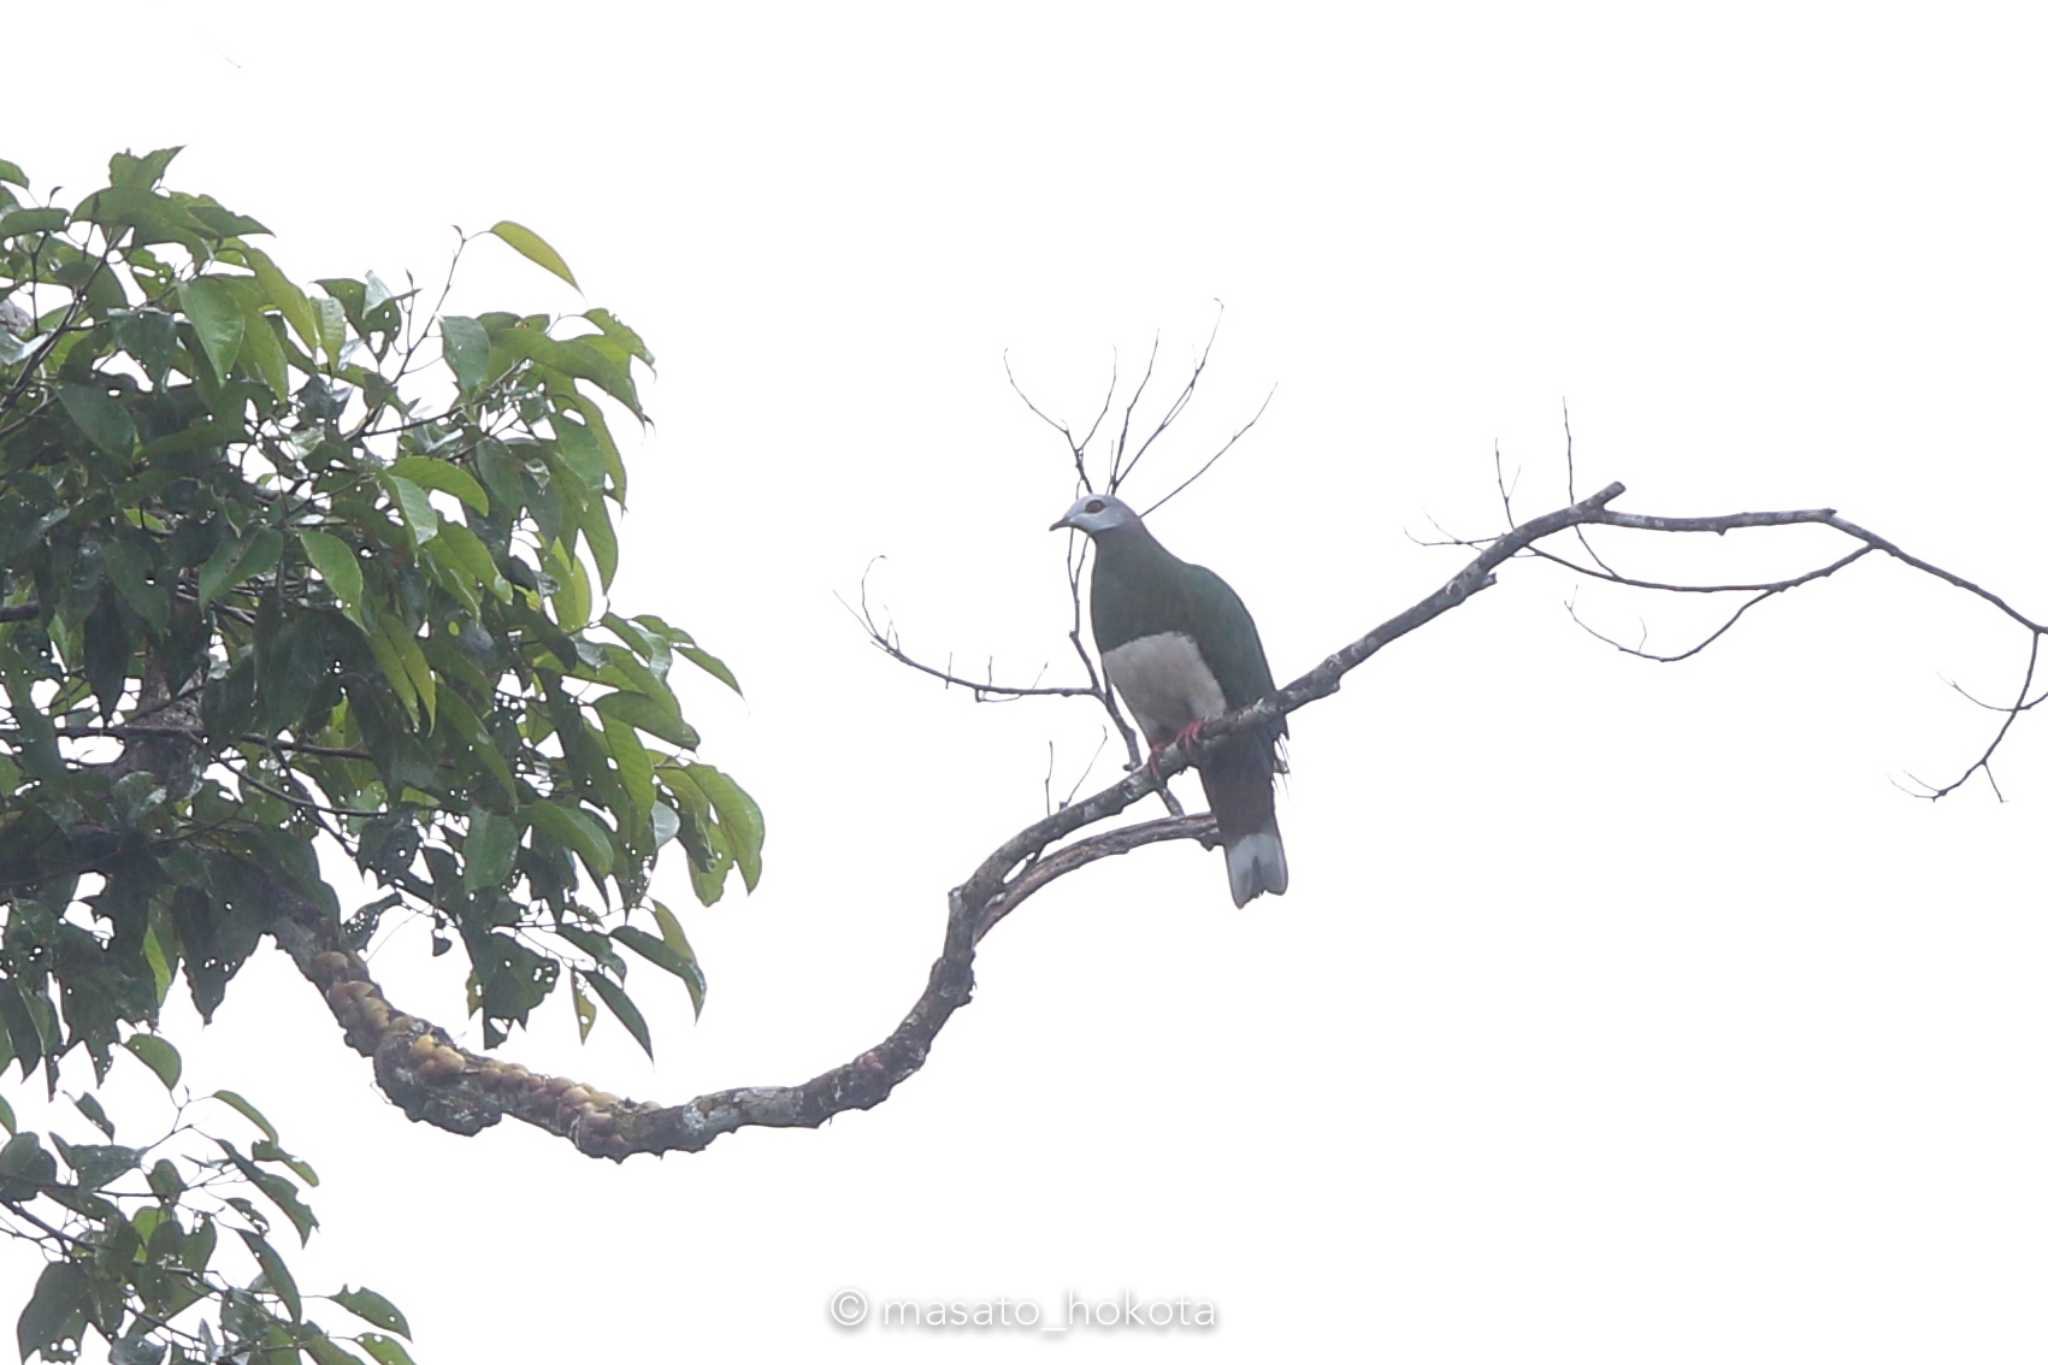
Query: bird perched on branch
1180	649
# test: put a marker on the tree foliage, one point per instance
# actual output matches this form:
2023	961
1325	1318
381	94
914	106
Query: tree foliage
284	566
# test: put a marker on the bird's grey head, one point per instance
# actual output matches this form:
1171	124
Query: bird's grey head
1096	513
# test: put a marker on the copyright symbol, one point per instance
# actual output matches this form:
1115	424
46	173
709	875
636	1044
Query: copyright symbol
848	1308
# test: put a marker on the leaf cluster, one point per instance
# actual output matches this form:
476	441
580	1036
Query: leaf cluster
284	565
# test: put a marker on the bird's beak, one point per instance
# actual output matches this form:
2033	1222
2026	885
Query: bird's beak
1062	524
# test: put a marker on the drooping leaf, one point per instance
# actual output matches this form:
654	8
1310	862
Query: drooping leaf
247	1111
56	1311
627	339
710	664
458	547
261	350
422	522
577	358
337	563
158	1055
287	298
528	243
738	816
604	545
648	714
444	477
635	764
217	317
330	319
621	1004
663	954
275	1272
576	830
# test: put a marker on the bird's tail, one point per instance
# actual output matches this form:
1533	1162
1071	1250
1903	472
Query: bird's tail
1238	780
1257	864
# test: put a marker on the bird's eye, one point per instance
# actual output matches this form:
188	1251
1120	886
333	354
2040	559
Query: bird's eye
1094	505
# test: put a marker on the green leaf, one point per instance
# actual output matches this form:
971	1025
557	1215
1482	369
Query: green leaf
89	1105
21	222
442	476
663	954
627	339
604	545
266	1150
337	563
158	1055
738	816
635	764
422	522
261	351
577	448
275	1188
324	1350
217	317
140	172
586	1013
621	1004
330	319
393	666
466	348
56	1311
129	565
458	547
107	654
11	173
105	423
374	1309
235	561
571	597
577	830
406	648
648	714
247	1111
6	1116
488	849
710	664
275	1272
287	298
527	243
466	724
577	358
708	845
384	1349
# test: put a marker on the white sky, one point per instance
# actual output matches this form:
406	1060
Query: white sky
1618	1012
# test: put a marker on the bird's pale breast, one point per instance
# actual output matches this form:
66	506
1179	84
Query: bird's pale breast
1164	681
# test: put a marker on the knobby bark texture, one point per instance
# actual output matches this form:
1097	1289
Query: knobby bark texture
432	1080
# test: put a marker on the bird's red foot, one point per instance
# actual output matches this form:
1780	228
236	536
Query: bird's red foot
1187	735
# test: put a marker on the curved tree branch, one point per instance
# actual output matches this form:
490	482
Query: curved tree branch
433	1081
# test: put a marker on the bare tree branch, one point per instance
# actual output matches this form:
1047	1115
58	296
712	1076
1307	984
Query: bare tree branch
434	1081
1203	468
1119	471
987	689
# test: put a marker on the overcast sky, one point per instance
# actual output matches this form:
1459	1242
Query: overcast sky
1617	1011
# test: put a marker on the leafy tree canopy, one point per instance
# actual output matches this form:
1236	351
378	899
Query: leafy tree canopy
282	565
